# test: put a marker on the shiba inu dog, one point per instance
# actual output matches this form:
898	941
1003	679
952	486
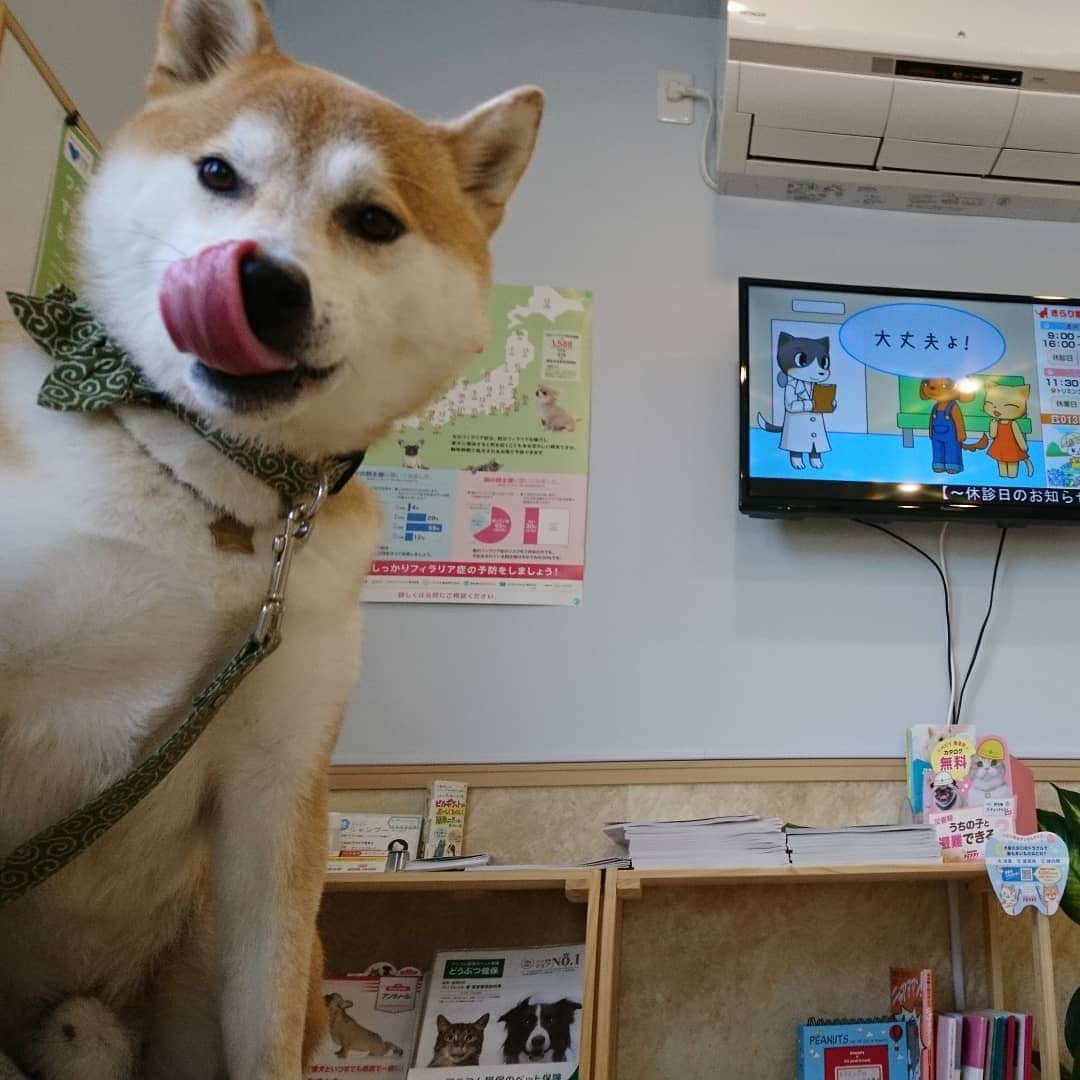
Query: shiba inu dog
299	262
353	1037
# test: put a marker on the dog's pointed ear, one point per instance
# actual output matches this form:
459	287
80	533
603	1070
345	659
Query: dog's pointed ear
198	38
491	147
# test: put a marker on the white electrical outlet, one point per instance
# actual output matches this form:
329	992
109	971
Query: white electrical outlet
678	111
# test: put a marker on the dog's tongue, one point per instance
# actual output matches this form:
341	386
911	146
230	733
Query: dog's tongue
203	308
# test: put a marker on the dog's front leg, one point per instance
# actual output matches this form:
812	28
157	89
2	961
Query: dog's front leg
269	864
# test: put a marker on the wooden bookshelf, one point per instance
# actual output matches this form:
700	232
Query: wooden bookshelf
631	883
623	886
482	896
408	916
578	885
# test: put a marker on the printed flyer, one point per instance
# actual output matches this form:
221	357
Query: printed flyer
484	490
56	256
510	1014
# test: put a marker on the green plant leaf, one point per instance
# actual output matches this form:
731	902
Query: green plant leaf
1072	1029
1052	821
1049	821
1070	807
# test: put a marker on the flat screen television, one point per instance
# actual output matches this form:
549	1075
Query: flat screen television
876	402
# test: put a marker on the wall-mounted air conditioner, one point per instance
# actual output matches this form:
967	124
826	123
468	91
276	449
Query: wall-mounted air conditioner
950	106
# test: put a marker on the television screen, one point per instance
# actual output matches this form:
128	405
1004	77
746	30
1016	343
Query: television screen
866	402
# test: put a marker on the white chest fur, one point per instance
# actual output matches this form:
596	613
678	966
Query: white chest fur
116	607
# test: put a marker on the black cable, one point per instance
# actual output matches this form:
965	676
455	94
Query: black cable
944	589
985	623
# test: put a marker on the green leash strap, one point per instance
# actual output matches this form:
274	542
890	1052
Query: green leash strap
8	1071
43	855
53	848
91	373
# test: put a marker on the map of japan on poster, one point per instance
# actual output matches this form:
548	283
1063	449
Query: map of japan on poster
484	490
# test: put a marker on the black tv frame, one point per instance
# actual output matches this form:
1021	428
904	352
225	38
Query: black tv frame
772	498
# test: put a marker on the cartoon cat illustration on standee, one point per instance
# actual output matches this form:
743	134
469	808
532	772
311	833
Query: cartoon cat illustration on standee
803	373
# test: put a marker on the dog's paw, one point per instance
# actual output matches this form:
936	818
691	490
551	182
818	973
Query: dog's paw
82	1039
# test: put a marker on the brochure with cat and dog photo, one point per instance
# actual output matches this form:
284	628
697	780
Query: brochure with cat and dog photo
517	1009
373	1021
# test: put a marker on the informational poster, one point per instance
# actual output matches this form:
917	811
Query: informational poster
1057	353
484	490
56	256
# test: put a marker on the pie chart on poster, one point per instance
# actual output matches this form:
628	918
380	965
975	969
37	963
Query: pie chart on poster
491	527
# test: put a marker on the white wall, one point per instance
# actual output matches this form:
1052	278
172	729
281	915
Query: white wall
702	632
100	51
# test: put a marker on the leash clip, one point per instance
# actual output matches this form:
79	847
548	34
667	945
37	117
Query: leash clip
298	525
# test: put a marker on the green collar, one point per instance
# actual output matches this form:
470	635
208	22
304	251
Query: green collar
92	373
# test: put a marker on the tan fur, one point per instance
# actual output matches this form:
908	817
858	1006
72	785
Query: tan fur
194	918
427	161
316	1022
172	67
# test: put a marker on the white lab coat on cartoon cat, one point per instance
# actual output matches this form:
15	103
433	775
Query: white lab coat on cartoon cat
804	430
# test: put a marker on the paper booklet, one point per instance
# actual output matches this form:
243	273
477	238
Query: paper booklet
373	1022
514	1013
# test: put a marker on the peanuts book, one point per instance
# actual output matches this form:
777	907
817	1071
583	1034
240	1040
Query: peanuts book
877	1049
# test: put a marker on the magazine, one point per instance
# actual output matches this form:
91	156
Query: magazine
358	843
373	1020
517	1009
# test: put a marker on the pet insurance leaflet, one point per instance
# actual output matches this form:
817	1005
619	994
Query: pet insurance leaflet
483	491
502	1013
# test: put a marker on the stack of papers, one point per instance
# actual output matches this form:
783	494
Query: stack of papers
863	845
613	863
451	862
739	840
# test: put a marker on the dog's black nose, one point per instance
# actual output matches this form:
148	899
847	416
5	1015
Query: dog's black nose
277	301
537	1041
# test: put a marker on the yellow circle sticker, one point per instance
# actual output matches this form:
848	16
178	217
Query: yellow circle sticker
1048	875
953	756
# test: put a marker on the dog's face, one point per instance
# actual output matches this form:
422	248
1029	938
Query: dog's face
285	252
411	449
536	1030
945	792
546	395
336	1003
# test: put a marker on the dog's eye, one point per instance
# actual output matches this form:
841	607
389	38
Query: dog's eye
371	223
218	175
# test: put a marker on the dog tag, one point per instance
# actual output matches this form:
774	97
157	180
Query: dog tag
231	535
1028	871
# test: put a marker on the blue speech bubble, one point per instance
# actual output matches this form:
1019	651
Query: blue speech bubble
925	341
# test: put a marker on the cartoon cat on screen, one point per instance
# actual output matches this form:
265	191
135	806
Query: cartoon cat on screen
803	375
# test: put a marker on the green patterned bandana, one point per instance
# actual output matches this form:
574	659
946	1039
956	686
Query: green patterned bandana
93	373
